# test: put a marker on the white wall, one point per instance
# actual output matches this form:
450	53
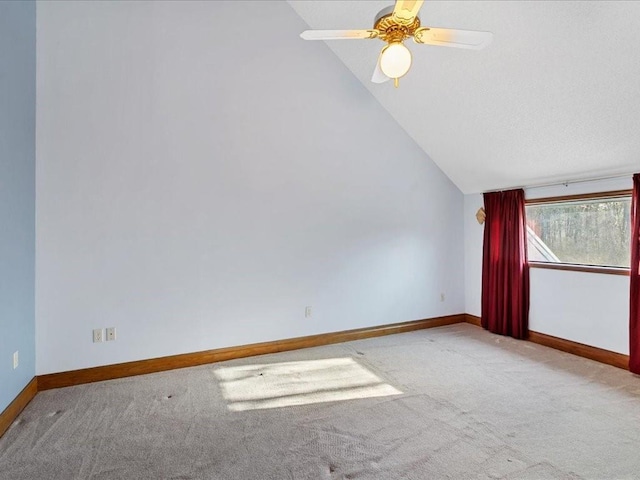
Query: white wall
588	308
473	239
199	185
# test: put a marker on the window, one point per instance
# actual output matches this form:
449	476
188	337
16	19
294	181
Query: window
588	230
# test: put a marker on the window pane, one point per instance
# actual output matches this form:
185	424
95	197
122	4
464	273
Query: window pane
588	232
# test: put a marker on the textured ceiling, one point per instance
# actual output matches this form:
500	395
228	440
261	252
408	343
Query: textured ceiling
555	97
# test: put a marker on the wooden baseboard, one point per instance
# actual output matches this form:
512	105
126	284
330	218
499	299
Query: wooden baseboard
109	372
472	319
22	400
593	353
587	351
141	367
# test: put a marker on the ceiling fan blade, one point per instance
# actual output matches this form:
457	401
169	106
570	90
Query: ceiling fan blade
338	34
448	37
405	11
378	75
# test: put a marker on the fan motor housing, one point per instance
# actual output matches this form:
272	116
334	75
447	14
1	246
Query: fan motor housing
392	31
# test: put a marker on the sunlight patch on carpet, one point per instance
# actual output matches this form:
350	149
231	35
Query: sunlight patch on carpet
252	387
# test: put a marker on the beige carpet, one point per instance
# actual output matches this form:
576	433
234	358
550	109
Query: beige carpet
473	405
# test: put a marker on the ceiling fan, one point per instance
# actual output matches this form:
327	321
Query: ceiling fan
394	25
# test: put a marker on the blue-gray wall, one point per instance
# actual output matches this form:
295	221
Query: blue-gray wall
17	195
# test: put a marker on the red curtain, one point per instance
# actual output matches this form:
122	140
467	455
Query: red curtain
505	271
634	305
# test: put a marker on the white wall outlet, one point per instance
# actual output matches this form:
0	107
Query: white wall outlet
111	334
307	312
97	335
442	297
15	359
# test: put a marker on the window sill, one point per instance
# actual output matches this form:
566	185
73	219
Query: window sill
581	268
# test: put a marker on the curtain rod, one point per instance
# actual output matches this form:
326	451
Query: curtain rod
566	183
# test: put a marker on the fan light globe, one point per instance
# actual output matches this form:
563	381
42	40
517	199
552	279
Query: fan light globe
395	60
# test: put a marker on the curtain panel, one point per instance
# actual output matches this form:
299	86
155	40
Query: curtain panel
634	304
505	271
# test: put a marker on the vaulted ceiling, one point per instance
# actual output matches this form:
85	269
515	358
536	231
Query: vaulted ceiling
554	97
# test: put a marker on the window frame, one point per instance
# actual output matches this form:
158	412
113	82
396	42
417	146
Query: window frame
579	267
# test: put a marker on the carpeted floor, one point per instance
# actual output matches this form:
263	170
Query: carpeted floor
473	405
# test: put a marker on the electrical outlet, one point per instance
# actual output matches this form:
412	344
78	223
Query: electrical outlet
111	334
307	312
442	297
15	359
97	335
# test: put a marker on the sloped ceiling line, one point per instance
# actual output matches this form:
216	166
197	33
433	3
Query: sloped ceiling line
548	101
